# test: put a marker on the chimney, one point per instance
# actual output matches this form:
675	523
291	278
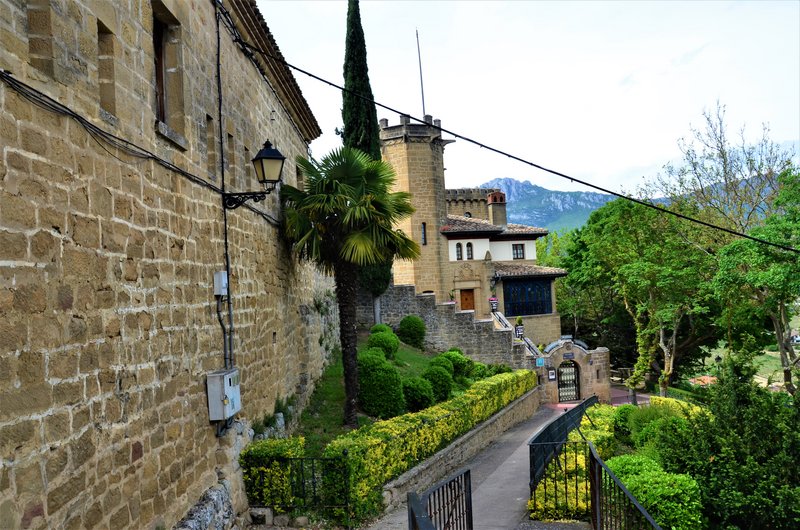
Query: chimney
497	208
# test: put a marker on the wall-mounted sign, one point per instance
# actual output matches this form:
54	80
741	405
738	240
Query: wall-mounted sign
540	361
551	375
569	356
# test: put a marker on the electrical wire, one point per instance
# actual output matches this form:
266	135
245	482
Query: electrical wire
102	136
238	38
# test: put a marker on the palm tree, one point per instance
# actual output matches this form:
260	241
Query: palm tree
343	219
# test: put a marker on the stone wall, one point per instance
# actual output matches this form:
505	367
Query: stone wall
446	327
593	368
108	323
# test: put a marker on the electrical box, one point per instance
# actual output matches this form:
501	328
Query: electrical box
224	397
220	283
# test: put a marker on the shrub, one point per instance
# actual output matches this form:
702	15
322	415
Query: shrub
444	362
494	369
672	499
378	328
418	393
266	477
441	381
412	331
379	452
597	426
622	416
479	371
626	465
385	340
462	365
639	418
380	391
566	473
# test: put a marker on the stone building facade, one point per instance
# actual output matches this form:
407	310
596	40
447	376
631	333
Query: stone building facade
108	247
469	252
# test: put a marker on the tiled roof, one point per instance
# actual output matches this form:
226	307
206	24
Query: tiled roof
511	270
458	223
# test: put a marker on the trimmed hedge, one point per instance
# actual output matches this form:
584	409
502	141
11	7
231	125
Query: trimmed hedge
418	393
462	365
672	499
266	479
380	389
380	452
412	331
385	340
441	382
625	466
378	328
444	362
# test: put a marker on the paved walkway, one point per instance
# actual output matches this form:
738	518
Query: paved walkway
500	474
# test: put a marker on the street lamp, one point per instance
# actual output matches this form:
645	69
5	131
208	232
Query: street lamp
268	164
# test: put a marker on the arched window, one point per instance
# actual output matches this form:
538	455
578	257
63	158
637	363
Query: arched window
459	252
467	214
469	250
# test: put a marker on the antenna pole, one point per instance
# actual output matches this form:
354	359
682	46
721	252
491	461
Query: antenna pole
421	88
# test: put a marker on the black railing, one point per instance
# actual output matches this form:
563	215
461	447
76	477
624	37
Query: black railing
570	480
548	441
289	484
613	506
445	506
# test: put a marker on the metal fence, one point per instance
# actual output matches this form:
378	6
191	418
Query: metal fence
548	441
318	484
570	480
445	506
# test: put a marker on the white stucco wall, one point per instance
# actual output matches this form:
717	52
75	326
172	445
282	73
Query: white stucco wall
479	248
501	250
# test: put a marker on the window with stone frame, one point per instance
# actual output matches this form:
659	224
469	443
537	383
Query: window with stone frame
459	252
40	35
518	251
168	73
469	250
105	68
424	233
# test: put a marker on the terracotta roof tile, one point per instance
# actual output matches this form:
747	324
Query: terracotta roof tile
510	270
458	223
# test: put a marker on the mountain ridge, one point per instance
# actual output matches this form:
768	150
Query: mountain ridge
557	211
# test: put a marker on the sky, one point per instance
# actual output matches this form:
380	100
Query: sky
601	91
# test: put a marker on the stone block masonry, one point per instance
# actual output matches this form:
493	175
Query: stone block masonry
108	322
446	327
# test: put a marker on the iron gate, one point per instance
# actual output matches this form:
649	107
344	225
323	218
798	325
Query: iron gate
568	382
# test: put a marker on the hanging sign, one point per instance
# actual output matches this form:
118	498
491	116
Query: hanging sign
540	361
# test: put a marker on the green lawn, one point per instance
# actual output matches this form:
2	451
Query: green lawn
323	419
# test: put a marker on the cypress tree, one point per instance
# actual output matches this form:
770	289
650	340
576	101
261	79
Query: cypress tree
359	115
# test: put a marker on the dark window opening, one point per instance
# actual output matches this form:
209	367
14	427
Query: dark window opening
527	297
469	250
467	214
459	252
424	234
518	251
159	35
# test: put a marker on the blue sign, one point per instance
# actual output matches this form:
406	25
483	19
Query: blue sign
540	361
569	355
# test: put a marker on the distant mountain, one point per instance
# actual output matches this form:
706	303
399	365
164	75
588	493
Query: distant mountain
558	211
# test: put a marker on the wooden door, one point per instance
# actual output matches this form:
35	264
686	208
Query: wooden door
467	299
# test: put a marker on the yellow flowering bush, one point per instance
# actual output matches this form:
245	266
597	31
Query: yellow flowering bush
266	475
682	408
382	451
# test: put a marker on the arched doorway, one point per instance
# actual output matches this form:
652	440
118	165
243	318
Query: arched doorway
569	381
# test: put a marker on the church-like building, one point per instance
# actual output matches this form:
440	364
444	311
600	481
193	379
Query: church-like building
469	252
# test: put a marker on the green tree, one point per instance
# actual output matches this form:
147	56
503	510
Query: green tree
358	110
765	280
361	132
742	451
344	219
662	279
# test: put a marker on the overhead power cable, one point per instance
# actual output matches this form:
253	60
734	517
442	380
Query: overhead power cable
238	38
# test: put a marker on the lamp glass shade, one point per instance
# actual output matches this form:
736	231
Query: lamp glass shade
268	164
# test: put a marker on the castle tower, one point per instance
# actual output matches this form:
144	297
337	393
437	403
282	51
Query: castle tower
416	152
